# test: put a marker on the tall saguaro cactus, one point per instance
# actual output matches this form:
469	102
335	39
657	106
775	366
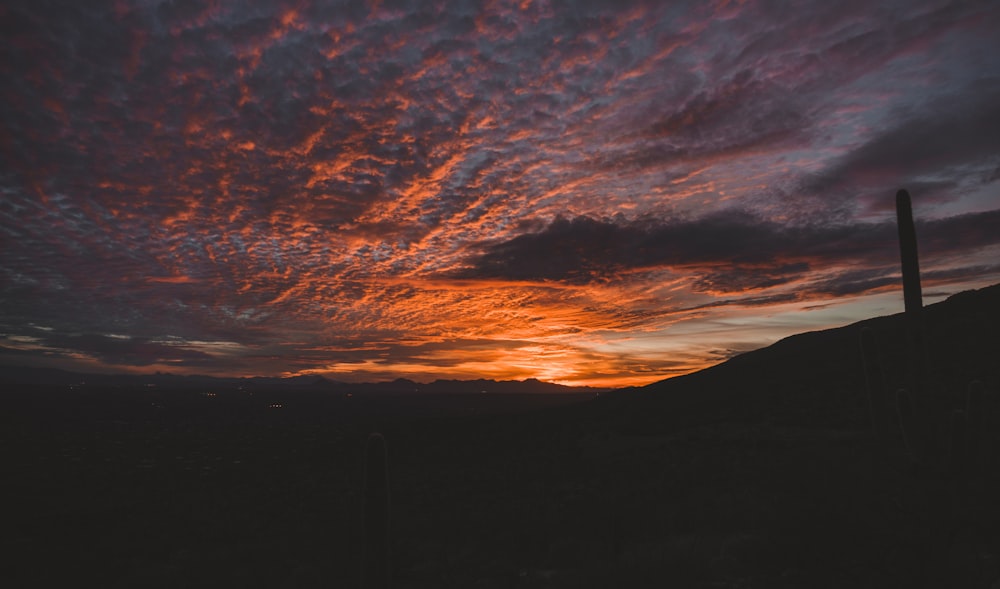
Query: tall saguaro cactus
953	447
924	435
912	296
376	497
939	437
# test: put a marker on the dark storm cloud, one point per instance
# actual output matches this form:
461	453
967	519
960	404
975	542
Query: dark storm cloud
730	251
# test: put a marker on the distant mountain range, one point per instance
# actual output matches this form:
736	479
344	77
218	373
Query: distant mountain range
808	371
52	377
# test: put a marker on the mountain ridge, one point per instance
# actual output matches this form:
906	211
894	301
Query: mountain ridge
39	376
816	377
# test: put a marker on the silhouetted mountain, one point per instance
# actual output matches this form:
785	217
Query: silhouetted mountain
531	385
817	376
441	386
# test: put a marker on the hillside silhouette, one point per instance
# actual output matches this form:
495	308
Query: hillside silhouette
816	377
761	472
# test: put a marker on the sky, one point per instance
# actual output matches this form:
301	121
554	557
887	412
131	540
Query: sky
593	192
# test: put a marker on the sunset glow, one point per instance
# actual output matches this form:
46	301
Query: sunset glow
601	193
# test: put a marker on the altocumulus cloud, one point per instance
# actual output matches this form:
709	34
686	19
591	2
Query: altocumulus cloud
465	187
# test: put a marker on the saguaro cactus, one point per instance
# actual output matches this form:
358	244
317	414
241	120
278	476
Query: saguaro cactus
939	437
912	296
944	441
376	497
924	438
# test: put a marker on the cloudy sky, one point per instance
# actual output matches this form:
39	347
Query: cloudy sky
589	192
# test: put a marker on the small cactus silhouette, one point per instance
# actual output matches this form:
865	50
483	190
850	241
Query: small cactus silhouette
983	410
975	413
376	510
904	414
958	450
875	381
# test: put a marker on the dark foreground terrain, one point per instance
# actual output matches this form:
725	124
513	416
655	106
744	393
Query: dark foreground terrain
762	472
